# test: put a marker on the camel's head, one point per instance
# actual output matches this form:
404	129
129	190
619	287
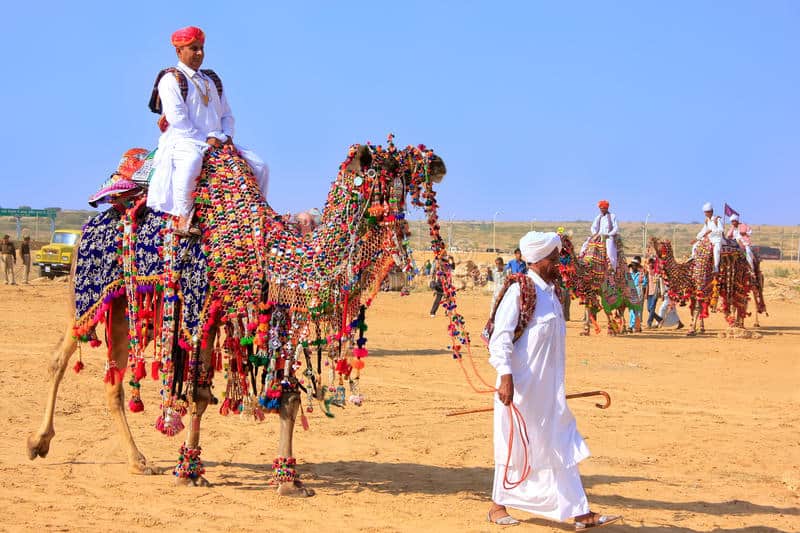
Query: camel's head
663	249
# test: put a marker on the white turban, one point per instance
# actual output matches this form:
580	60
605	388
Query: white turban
537	245
734	217
708	207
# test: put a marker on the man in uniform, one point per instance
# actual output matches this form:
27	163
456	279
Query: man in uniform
8	255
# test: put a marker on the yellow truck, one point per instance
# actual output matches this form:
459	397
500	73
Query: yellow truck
55	259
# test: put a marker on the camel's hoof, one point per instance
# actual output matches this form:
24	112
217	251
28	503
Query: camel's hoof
691	333
199	481
38	446
295	489
145	469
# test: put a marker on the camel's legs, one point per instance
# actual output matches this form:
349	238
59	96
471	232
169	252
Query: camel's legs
290	404
198	403
39	442
115	393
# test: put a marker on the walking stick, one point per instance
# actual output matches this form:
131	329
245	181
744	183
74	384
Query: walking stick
604	394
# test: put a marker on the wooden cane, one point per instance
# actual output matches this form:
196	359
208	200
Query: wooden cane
604	394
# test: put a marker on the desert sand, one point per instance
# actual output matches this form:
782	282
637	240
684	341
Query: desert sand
702	435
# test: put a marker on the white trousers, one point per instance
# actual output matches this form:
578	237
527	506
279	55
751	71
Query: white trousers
177	169
556	494
611	250
717	249
749	253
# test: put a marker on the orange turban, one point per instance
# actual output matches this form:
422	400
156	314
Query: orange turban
188	35
603	204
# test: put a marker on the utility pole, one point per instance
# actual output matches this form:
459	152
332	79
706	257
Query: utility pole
494	234
644	236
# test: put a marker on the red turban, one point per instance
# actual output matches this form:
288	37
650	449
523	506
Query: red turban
188	35
603	204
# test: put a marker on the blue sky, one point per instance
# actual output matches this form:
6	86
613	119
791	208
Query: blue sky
538	108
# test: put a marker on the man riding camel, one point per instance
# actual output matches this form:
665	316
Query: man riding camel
605	226
195	116
740	233
713	229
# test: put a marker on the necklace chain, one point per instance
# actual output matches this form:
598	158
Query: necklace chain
203	95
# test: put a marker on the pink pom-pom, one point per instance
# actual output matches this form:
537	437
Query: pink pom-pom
360	353
94	343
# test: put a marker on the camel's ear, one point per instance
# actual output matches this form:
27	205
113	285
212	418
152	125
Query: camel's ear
436	168
363	159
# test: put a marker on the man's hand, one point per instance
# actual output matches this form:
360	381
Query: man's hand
506	389
213	141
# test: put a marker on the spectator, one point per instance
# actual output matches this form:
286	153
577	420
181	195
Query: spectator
441	264
653	292
499	278
517	265
25	255
8	255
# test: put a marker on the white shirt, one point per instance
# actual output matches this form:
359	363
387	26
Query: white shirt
537	365
605	224
715	226
191	119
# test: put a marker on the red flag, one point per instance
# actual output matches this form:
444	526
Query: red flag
730	211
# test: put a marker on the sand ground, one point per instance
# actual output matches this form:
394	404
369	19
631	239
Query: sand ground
702	435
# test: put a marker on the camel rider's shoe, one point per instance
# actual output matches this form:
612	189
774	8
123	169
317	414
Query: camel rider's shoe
595	520
184	228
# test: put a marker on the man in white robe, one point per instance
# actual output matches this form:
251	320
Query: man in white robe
531	376
202	120
713	228
605	226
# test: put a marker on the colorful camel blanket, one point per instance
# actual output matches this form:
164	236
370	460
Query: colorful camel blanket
131	251
99	274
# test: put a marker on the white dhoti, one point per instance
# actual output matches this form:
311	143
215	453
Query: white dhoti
536	363
717	249
177	167
556	494
611	251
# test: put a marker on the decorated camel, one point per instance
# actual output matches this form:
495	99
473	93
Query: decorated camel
598	286
694	281
280	313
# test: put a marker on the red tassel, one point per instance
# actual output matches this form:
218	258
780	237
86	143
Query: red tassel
140	370
304	421
78	366
111	375
155	368
94	343
136	405
218	365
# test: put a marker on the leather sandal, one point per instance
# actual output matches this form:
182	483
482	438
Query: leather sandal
596	520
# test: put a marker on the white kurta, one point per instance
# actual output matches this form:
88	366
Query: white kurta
537	364
716	229
179	158
607	227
